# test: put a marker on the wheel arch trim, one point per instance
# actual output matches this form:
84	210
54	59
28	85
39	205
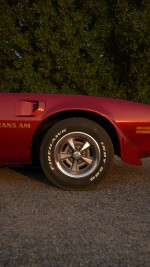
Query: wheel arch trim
123	147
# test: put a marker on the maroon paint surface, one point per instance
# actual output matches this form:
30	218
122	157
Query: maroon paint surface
19	122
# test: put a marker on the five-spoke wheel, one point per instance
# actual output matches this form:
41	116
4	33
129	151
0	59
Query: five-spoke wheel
76	153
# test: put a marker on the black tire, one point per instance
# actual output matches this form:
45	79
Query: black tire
76	153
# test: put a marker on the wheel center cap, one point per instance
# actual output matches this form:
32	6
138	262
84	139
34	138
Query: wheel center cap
76	155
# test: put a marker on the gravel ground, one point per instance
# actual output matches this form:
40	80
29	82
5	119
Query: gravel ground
42	225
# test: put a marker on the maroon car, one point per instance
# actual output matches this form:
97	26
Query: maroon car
75	137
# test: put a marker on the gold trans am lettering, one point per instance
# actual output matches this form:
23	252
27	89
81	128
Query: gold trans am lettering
24	125
8	125
14	125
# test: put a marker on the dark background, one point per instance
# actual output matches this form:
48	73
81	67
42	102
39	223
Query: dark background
72	46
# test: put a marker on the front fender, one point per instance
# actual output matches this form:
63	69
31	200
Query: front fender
128	151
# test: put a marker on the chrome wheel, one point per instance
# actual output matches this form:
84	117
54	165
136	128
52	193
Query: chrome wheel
77	154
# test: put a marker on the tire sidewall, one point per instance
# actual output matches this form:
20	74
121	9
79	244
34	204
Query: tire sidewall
63	128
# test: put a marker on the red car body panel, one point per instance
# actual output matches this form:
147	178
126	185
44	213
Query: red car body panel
22	114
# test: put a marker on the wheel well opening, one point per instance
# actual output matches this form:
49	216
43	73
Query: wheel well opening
49	122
